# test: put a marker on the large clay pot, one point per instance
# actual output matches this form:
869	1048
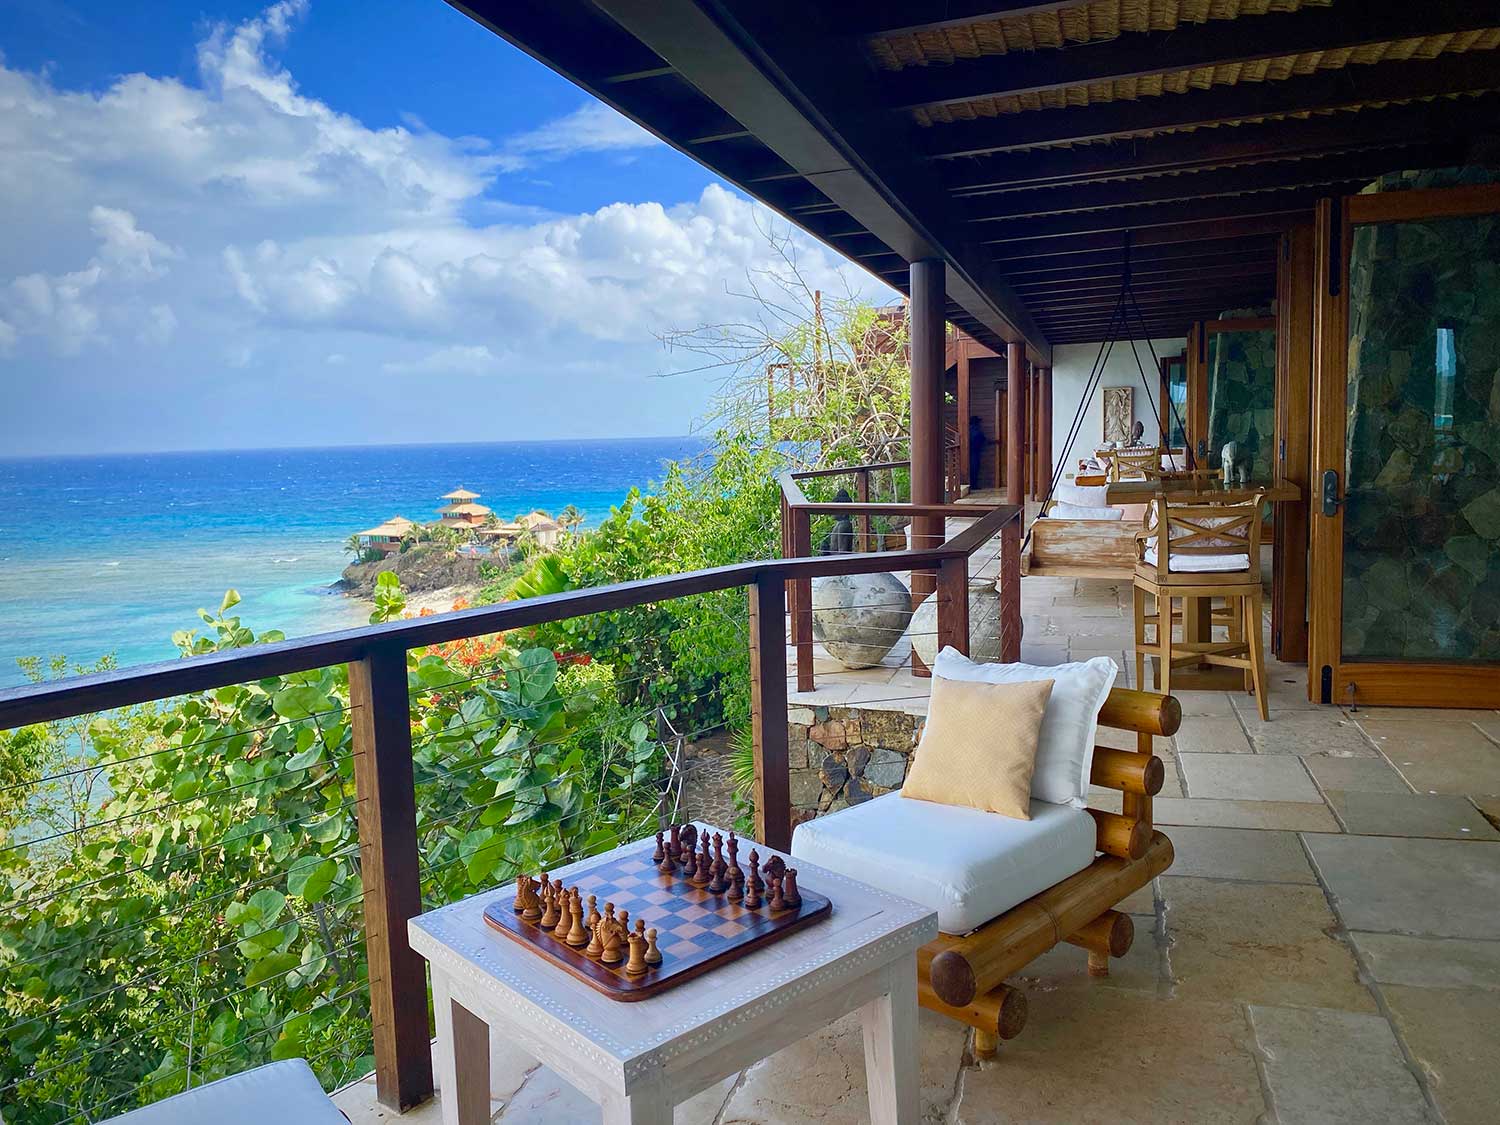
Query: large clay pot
984	624
860	617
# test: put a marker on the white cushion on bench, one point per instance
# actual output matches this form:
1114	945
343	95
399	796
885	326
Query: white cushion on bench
1062	511
1083	495
969	866
286	1091
1201	564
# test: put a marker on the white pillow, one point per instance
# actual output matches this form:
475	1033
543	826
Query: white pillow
1065	744
1061	511
1084	496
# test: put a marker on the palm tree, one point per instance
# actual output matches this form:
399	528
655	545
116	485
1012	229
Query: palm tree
570	518
354	547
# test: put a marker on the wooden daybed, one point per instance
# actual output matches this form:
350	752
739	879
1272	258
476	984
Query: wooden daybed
964	977
1006	890
1069	548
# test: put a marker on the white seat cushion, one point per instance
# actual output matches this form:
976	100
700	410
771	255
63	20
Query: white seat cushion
1062	511
281	1091
1201	564
969	866
1084	496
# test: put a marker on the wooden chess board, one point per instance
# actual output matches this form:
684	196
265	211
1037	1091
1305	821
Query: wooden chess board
695	930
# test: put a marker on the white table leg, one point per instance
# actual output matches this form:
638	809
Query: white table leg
647	1105
463	1058
890	1026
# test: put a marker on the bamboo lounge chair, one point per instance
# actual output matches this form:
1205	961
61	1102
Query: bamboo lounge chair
963	974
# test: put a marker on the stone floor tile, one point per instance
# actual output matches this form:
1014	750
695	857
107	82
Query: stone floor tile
822	1077
1418	715
1323	732
1409	814
1367	775
1141	902
1439	757
1214	703
1489	808
1335	1068
1445	888
1490	725
1209	734
1451	1035
1259	943
1110	1054
1245	777
1430	962
1240	853
1283	694
1064	966
1291	816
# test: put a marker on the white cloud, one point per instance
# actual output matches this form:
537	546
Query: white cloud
592	127
456	359
166	227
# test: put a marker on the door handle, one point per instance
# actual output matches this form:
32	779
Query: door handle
1331	498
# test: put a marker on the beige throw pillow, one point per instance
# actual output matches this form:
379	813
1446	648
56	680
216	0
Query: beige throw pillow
978	747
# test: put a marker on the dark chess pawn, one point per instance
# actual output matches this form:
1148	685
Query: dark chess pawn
704	872
775	866
689	842
674	849
661	850
736	885
777	900
733	849
789	893
718	884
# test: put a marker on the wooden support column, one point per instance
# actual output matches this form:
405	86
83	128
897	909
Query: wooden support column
953	605
768	714
387	815
1044	435
1010	592
1015	423
927	338
801	617
961	351
1294	304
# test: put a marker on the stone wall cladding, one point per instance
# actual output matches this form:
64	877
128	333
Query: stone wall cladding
842	756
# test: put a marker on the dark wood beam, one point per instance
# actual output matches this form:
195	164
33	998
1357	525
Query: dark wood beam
1445	120
1147	282
1022	265
1296	202
766	64
898	17
1295	173
1216	42
1325	89
1061	307
1189	234
1024	280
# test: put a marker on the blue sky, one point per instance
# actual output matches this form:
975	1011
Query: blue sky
326	223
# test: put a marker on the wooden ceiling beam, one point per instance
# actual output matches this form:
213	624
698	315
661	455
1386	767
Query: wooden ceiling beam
1058	307
1144	283
901	17
1214	43
1291	204
1297	173
1443	120
1193	233
1471	71
1023	279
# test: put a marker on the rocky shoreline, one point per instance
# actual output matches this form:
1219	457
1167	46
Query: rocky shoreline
426	571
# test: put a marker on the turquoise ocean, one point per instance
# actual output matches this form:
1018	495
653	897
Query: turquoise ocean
112	554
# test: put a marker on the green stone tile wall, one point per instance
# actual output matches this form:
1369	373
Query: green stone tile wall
1242	398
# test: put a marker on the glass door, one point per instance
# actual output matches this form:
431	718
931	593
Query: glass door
1406	516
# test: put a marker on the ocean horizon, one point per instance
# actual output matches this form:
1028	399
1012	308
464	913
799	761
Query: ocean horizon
111	553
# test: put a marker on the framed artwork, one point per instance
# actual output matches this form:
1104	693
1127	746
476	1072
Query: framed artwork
1119	413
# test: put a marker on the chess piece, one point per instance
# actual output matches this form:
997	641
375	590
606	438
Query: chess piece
777	901
661	851
775	866
564	914
610	935
736	884
789	893
636	965
717	883
734	858
593	919
531	905
624	921
752	891
674	847
689	842
653	955
577	935
704	871
596	942
549	905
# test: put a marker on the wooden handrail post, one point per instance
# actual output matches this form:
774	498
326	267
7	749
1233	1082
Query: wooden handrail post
862	492
953	604
768	713
1010	592
386	790
802	633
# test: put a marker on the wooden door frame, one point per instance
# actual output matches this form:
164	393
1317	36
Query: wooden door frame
1295	286
1387	683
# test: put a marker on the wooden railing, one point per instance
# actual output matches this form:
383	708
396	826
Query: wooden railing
382	744
947	582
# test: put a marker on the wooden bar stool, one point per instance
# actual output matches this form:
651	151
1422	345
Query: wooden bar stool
1195	549
1136	463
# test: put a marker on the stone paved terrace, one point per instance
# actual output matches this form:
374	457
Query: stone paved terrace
1326	947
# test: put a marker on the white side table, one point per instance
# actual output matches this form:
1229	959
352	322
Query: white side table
638	1060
